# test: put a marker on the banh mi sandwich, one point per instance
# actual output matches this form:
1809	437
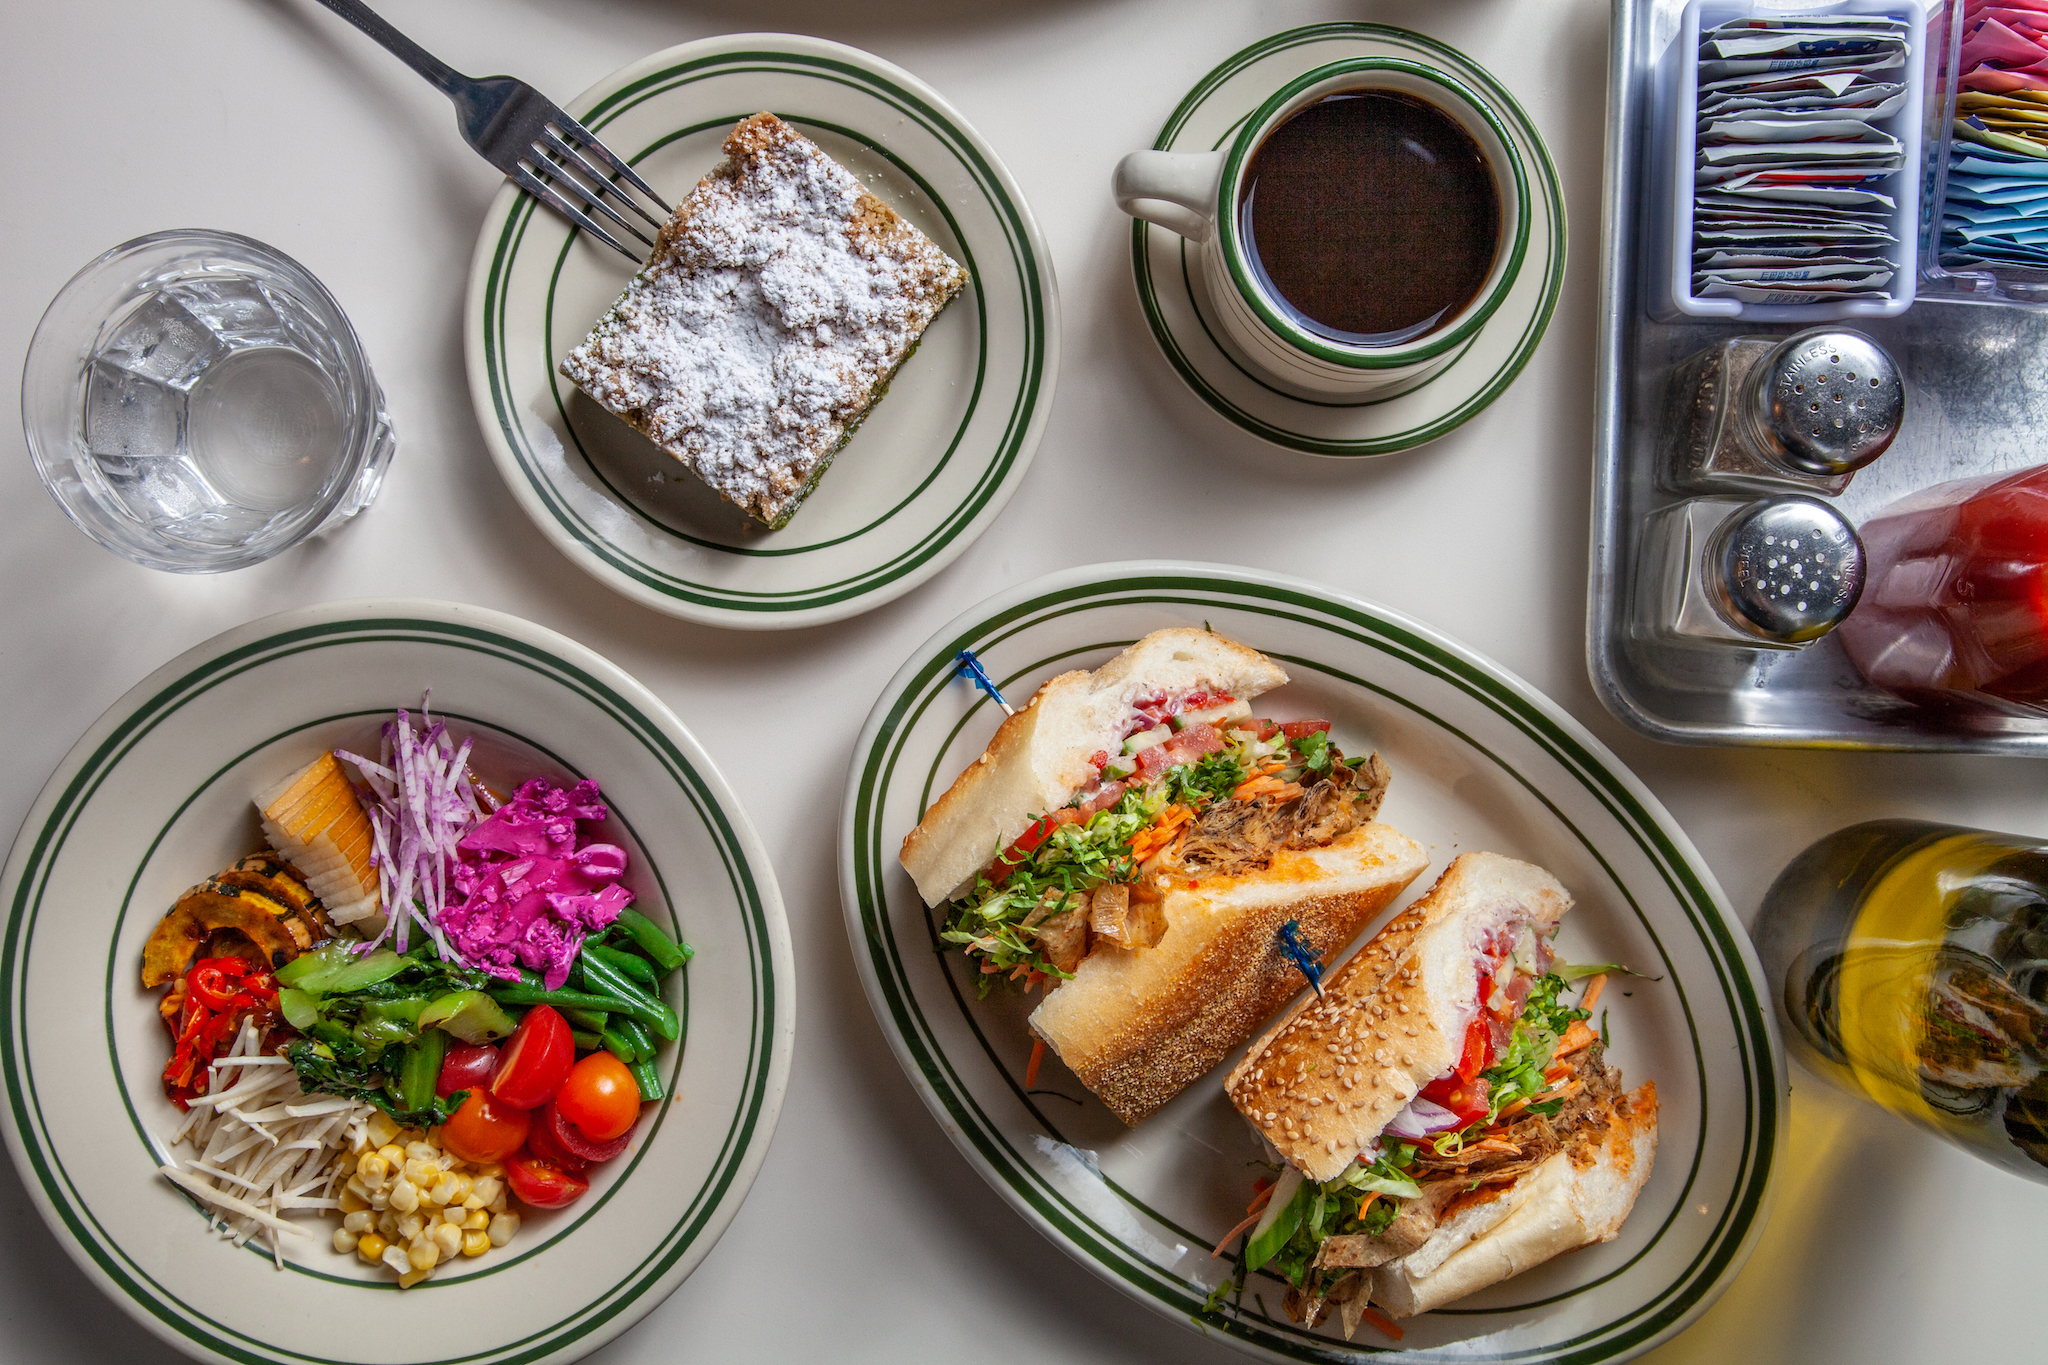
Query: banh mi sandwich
1139	842
1445	1116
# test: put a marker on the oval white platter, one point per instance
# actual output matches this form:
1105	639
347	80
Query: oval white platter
156	796
929	468
1480	761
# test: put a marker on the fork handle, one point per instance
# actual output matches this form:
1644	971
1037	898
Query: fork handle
444	77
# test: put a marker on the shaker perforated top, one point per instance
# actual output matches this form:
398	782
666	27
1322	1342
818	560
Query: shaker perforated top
1786	569
1826	401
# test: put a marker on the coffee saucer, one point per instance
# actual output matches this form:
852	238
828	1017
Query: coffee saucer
1184	319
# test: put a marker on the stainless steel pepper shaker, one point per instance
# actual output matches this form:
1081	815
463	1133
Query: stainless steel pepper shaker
1774	573
1794	414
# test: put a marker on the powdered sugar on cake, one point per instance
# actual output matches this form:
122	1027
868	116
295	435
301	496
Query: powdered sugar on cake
779	300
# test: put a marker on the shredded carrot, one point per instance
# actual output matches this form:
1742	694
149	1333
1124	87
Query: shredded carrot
1018	971
1034	980
1231	1236
1579	1035
1260	1200
1160	832
1031	1067
988	966
1368	1202
1562	1092
1254	786
1593	989
1383	1322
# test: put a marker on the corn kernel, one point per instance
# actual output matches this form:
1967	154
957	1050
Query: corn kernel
351	1202
387	1223
413	1277
421	1173
497	1205
381	1129
410	1227
486	1188
472	1203
475	1220
491	1170
371	1248
345	1241
420	1150
458	1187
447	1237
405	1196
356	1187
373	1169
395	1257
360	1222
423	1254
475	1243
380	1200
503	1228
392	1154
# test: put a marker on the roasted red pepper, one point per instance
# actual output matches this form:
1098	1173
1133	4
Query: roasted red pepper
220	992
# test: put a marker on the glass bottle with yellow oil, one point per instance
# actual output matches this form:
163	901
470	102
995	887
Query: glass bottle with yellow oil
1911	962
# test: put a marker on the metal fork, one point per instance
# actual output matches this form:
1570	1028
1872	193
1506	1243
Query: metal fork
527	136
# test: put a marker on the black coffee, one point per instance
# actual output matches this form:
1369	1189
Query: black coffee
1372	214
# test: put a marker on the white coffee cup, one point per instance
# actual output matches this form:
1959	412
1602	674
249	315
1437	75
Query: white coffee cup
1197	195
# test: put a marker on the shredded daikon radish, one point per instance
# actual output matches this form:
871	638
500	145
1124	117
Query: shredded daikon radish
261	1145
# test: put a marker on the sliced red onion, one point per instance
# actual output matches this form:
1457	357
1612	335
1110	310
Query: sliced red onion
1420	1119
422	808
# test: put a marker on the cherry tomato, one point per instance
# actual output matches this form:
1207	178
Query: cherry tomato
468	1066
485	1130
600	1098
543	1184
543	1143
1301	729
571	1138
536	1061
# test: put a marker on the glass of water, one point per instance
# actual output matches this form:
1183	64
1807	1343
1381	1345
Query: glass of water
197	402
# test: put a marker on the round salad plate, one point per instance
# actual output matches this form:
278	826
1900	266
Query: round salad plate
925	473
1184	319
1481	761
157	796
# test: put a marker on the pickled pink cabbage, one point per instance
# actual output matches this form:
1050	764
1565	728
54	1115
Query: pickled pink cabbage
528	886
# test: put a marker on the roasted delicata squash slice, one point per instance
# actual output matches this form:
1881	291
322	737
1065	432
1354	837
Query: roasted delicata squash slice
315	822
293	895
210	913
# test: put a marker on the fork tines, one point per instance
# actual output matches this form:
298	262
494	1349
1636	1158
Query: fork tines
556	163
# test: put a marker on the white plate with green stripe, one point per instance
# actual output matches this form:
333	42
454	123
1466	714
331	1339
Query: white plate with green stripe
156	796
1480	761
1184	320
929	468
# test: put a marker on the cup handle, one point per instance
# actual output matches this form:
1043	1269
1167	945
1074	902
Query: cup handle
1173	190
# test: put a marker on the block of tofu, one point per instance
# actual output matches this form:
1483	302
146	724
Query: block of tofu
776	306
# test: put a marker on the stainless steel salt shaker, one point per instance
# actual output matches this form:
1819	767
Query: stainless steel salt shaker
1794	414
1774	573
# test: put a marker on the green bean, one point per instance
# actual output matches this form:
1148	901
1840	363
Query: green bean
664	951
530	991
634	1033
586	1042
589	1020
604	979
649	1083
620	1046
632	964
421	1070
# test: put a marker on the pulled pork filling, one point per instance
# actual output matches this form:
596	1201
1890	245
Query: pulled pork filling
1200	788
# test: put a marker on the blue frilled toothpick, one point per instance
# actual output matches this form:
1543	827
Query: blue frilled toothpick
1295	944
971	666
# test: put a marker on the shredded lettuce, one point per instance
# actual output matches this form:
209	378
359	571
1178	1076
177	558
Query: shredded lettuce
1287	1248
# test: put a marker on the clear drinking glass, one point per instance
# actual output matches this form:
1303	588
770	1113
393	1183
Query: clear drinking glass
196	401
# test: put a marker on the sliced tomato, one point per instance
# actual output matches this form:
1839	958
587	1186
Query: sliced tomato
1478	1053
483	1129
1035	834
1109	795
601	1100
468	1066
543	1184
536	1059
1097	759
1185	747
1296	729
1467	1100
568	1137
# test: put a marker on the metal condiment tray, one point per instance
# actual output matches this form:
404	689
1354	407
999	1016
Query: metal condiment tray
1977	402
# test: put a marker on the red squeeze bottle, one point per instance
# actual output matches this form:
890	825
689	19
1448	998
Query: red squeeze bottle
1955	596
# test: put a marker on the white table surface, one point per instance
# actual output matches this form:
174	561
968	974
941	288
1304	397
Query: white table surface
867	1237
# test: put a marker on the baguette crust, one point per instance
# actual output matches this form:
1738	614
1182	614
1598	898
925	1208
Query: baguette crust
1579	1196
1040	756
1138	1025
1327	1078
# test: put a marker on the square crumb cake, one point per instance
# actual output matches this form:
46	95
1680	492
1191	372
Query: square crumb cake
778	302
